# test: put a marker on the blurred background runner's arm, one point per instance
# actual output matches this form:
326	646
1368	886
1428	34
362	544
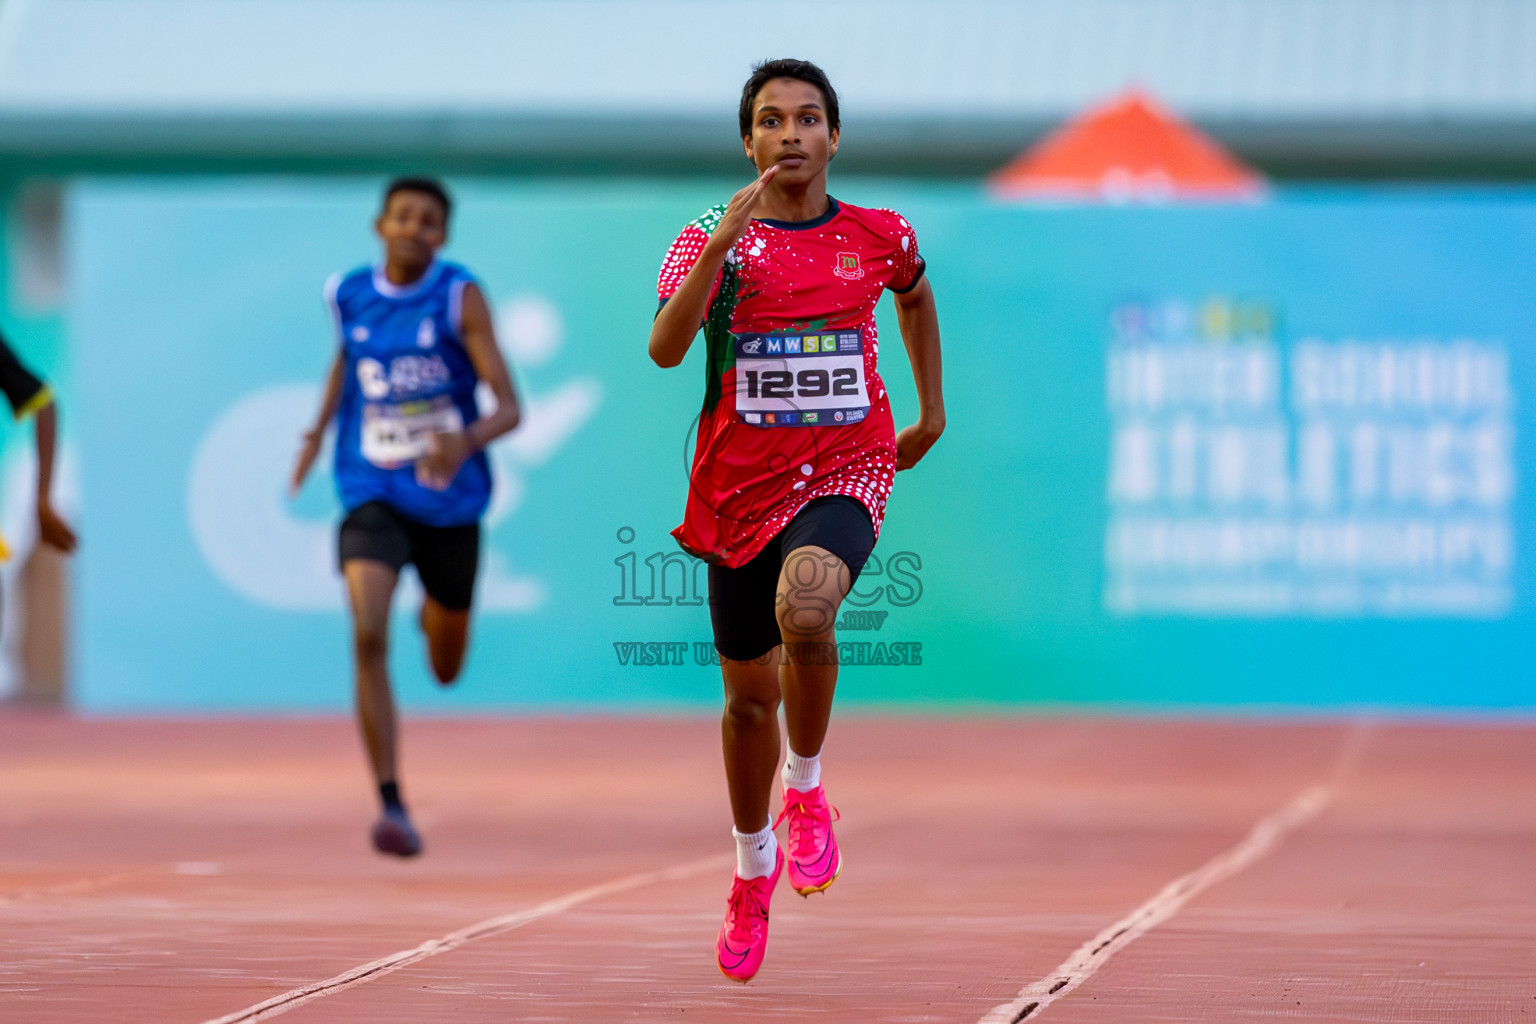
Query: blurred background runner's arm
447	452
309	446
29	396
491	367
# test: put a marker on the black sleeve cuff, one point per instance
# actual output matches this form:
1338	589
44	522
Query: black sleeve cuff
922	268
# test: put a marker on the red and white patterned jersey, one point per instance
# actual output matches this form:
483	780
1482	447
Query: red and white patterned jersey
794	408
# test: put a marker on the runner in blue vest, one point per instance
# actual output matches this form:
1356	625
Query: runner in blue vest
416	339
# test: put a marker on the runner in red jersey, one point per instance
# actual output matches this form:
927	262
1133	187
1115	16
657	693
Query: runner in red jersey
792	340
795	458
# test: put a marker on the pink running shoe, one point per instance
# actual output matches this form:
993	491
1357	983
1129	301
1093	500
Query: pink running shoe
814	862
744	935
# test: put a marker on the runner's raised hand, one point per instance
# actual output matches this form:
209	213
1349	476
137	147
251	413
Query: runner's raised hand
679	318
738	213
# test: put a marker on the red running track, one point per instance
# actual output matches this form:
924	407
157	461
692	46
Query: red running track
190	871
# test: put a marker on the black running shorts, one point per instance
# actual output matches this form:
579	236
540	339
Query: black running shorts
446	557
742	601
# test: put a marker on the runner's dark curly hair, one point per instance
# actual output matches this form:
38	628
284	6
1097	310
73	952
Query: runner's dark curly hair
427	186
801	70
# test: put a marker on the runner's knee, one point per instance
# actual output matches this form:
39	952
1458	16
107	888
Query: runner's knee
810	588
748	711
370	642
807	614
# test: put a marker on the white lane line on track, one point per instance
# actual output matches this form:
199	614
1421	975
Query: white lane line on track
1080	966
433	947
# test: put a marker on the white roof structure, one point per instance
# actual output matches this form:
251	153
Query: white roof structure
655	81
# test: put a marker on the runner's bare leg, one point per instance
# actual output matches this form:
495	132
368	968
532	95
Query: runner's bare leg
447	633
371	586
750	734
812	586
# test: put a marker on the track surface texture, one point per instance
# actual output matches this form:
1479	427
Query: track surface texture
188	871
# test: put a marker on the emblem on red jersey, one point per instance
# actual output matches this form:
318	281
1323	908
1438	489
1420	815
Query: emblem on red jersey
848	266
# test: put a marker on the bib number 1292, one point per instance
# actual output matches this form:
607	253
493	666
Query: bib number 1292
842	382
801	380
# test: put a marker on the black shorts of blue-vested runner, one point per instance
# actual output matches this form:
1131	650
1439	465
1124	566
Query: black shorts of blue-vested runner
447	558
742	600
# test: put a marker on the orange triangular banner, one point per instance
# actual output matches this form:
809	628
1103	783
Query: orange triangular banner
1129	150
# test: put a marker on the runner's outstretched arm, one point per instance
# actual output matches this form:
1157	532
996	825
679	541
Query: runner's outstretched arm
677	323
491	367
29	396
50	527
309	446
447	452
918	317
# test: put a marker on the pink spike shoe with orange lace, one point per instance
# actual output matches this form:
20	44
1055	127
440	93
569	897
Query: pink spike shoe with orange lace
744	935
814	861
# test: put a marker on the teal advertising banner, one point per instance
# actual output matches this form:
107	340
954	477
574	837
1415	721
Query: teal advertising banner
1264	456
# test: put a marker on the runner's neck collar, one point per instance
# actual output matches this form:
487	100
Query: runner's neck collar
387	288
803	225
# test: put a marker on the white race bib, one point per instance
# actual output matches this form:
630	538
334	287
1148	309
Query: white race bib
397	434
801	380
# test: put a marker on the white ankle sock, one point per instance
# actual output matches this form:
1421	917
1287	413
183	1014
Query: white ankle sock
802	773
755	852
